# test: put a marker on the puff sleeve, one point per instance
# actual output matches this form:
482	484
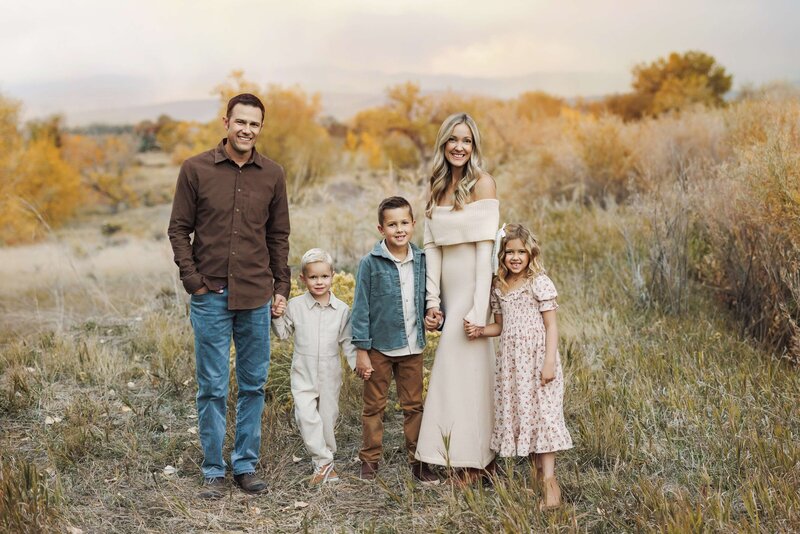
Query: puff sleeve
544	291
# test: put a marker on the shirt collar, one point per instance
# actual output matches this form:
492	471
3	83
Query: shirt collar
221	155
310	302
409	254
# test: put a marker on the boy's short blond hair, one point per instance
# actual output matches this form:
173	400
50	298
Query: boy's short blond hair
315	255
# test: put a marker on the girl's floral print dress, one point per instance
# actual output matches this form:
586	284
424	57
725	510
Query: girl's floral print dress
529	417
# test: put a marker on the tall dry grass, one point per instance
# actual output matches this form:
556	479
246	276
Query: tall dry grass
681	423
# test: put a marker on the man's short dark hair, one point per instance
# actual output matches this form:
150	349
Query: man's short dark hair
245	99
393	203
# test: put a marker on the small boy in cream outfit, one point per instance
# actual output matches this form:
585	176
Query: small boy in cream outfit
320	323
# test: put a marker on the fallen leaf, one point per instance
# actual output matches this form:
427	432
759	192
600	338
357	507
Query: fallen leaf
51	420
192	430
169	470
126	409
112	393
74	530
30	369
300	504
296	459
131	385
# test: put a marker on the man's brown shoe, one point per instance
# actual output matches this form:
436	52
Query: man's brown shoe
250	483
368	470
213	488
424	475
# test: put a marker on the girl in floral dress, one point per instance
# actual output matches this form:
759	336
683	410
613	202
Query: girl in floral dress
529	382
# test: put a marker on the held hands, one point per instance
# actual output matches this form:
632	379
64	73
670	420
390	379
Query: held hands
472	331
433	319
363	364
548	371
278	305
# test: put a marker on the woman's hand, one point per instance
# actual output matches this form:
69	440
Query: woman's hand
433	319
472	331
548	371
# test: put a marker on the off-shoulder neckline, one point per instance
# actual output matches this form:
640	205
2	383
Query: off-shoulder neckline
470	203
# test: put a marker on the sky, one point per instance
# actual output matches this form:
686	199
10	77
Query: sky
86	54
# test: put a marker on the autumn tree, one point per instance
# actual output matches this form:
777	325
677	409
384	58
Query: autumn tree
292	134
105	166
673	83
38	189
405	127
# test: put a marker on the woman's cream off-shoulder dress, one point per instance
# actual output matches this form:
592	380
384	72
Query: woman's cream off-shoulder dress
457	421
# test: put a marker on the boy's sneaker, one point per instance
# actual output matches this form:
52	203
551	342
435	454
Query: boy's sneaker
424	475
323	474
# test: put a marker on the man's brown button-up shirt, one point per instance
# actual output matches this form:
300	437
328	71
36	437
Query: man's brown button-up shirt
240	220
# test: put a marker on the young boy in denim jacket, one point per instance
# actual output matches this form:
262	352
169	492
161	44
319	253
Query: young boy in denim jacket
320	323
389	334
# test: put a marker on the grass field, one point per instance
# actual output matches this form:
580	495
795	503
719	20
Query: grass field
679	423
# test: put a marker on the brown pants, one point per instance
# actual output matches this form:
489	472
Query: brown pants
407	372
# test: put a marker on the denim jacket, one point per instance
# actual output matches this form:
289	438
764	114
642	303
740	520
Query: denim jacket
377	315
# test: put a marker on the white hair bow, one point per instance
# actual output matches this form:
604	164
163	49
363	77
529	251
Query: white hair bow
501	233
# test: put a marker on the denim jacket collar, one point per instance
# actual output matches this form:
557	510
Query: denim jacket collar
378	250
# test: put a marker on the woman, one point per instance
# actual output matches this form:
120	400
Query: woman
461	220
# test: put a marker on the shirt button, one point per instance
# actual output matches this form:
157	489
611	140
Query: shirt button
236	232
231	275
239	190
237	210
233	253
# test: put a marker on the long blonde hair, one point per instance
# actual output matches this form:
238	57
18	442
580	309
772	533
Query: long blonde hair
531	244
441	174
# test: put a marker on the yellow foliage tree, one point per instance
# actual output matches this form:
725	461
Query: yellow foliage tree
43	191
292	134
104	165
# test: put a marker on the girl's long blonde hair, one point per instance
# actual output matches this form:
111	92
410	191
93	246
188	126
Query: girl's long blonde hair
531	244
441	174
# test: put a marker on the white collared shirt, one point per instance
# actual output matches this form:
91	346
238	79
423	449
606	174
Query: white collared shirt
405	269
318	330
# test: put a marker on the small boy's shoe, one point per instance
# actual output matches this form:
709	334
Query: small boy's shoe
368	470
213	488
424	475
250	483
323	474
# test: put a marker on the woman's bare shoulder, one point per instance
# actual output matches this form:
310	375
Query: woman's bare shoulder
484	188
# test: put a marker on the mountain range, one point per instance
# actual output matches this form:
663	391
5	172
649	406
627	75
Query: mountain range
128	99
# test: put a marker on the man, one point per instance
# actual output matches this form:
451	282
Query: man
233	200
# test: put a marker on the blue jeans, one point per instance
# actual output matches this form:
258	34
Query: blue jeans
213	326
